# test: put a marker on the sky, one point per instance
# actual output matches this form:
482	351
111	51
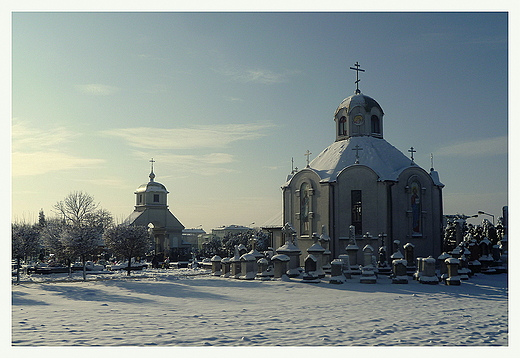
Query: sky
222	101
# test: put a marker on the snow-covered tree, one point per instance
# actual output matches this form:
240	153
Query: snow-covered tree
80	241
25	243
128	241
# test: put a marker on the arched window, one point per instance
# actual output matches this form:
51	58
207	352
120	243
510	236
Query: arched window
305	209
376	125
342	125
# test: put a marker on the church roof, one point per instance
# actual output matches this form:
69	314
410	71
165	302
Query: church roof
359	99
376	153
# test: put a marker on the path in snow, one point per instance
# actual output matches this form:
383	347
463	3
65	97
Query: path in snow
165	309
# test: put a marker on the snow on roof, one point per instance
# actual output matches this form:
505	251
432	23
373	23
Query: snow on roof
376	153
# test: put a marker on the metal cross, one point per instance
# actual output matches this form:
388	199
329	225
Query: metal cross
357	148
357	69
308	154
152	161
431	160
411	150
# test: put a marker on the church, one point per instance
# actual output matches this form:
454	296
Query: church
363	186
151	209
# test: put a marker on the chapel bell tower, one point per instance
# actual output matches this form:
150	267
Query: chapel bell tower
358	115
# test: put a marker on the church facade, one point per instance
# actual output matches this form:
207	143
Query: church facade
151	209
363	186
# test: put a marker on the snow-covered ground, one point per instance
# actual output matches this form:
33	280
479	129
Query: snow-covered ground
190	308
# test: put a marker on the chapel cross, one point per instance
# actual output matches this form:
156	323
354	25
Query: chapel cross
411	150
357	148
308	154
357	69
152	161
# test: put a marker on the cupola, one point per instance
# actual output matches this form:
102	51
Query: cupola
151	193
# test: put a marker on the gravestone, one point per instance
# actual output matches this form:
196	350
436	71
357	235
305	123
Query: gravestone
248	268
428	275
311	265
291	250
367	271
280	262
226	267
347	272
325	243
235	264
453	278
443	268
336	272
316	251
409	256
264	273
399	275
216	265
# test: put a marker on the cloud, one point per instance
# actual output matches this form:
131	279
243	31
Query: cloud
27	137
98	89
202	136
476	148
262	76
36	163
38	151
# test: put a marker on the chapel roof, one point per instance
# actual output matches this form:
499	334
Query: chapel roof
358	99
376	153
151	186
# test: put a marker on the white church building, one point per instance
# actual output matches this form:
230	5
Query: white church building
363	181
151	209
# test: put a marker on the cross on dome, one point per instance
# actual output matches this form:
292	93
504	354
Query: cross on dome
357	69
411	150
357	148
152	175
308	154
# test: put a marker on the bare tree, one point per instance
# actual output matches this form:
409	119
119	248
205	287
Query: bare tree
128	241
25	242
76	207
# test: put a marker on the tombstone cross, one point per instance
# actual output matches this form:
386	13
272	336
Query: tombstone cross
357	69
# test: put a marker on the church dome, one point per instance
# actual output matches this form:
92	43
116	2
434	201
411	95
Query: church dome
151	186
358	100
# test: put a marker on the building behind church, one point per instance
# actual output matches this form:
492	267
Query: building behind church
362	181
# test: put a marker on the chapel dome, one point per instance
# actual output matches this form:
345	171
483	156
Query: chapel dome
356	100
151	186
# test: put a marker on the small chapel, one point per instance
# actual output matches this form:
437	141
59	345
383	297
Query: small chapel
151	209
362	190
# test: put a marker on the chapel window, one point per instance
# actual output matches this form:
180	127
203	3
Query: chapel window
376	125
356	206
156	198
342	128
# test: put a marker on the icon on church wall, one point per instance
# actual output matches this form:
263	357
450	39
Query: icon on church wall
304	209
415	202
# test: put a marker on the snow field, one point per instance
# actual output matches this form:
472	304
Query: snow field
171	308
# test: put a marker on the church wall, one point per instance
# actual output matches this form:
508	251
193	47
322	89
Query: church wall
424	204
373	207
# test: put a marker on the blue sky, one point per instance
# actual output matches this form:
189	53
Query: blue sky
223	101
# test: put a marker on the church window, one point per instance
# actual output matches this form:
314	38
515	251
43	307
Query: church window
356	206
156	198
342	122
415	203
376	125
140	198
305	209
